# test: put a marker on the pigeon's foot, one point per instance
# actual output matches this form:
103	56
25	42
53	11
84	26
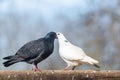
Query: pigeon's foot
35	68
73	67
67	68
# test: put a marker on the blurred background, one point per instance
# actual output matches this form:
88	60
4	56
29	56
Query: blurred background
93	25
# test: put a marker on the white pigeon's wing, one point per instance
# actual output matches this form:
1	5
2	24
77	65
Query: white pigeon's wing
89	60
72	53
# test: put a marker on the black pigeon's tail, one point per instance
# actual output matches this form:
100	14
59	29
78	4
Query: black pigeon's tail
96	65
11	60
9	57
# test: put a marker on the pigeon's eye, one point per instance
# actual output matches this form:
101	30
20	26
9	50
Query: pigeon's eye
66	41
58	33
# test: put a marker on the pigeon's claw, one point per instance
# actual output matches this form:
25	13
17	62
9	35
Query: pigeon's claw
67	68
35	68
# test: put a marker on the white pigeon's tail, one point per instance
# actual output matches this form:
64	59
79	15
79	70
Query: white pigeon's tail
91	61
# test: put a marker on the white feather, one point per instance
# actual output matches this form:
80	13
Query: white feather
71	54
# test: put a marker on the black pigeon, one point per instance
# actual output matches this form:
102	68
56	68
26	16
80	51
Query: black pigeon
33	52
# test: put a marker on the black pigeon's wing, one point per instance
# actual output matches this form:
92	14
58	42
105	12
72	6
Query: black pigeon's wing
31	50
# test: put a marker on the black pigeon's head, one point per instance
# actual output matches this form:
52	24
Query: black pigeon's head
51	35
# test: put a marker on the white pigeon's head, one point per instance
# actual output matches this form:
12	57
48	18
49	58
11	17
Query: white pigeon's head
60	35
61	38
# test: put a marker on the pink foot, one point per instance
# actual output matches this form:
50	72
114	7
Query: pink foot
35	68
67	68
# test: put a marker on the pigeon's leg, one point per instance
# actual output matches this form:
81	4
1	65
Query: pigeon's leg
73	67
35	68
67	68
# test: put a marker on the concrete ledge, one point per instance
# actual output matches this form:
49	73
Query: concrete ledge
61	75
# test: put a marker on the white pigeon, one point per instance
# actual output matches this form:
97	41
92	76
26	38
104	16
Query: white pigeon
73	55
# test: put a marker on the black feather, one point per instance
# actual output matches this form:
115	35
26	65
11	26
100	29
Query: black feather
8	57
11	60
8	63
33	52
96	65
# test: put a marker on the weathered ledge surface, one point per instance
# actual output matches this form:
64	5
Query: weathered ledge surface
60	75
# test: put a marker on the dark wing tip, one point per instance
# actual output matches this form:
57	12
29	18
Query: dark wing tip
5	58
8	57
96	65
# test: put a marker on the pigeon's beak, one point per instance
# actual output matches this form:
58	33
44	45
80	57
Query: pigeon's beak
56	36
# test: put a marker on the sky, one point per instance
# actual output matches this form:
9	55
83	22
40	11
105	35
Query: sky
52	10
